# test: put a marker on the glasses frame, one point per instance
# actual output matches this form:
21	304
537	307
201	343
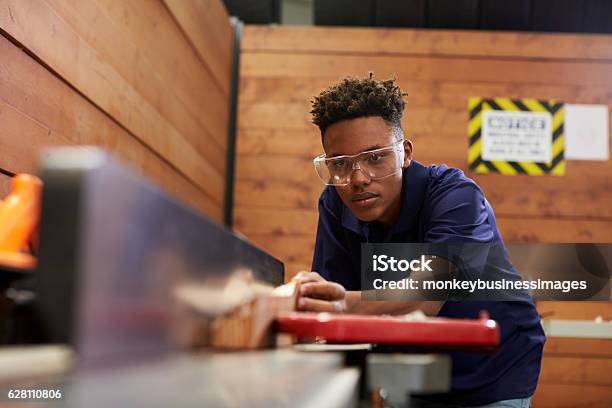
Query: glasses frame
322	158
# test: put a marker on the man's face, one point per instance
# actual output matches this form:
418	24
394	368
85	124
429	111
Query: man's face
369	199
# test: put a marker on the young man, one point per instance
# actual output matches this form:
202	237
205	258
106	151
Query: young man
376	192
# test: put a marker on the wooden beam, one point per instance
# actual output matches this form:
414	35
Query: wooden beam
342	40
426	68
569	346
576	370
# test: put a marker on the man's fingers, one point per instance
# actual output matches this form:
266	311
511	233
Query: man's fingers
316	305
323	290
305	276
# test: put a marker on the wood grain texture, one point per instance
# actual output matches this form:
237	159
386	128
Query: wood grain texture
422	68
170	64
569	346
276	190
39	110
572	396
58	35
444	93
575	310
576	370
337	40
214	45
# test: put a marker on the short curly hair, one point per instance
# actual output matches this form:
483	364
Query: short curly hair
358	97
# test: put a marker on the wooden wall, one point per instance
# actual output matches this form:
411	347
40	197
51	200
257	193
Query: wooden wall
282	68
145	79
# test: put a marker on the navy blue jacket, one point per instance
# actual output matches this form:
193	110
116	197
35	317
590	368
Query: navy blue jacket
440	204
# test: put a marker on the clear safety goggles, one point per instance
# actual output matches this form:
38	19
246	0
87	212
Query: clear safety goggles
375	164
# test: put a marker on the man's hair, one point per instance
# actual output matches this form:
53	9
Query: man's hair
358	97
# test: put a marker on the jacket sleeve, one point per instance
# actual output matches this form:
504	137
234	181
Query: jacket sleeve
459	216
458	211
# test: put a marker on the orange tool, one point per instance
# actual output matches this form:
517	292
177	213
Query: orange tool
19	218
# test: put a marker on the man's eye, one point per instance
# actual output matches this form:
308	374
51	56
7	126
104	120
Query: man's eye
339	164
373	157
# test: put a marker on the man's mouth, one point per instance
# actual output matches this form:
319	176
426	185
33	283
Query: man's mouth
364	199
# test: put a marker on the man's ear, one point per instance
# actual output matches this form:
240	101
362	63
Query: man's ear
407	153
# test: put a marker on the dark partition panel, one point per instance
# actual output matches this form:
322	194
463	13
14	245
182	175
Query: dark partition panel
505	15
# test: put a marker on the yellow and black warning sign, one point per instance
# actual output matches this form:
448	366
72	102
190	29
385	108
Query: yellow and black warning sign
516	136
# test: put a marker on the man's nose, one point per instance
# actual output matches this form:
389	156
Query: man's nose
359	176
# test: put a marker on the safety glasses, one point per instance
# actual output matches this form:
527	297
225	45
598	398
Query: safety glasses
375	164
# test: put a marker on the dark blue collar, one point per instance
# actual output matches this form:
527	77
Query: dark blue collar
415	179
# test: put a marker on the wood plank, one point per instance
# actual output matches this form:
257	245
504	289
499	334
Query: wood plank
572	395
287	249
169	58
421	93
43	111
55	42
553	230
576	370
286	222
340	40
215	45
264	142
575	310
568	346
276	194
460	69
20	138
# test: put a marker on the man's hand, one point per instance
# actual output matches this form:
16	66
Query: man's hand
319	295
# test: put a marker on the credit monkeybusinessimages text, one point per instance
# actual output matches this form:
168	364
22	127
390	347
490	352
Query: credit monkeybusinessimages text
478	284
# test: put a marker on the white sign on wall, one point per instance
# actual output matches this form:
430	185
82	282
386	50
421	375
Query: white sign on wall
586	132
517	136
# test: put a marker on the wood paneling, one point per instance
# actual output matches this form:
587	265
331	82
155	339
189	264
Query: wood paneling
282	68
569	346
572	396
505	71
131	81
213	45
335	40
577	370
277	189
576	310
